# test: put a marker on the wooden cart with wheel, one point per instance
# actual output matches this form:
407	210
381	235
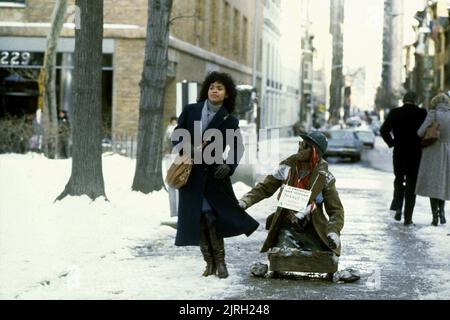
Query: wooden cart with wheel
302	261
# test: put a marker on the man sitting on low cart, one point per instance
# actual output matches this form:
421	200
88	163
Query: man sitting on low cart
304	240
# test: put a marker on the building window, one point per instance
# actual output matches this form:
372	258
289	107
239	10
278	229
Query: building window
272	63
19	85
244	39
306	71
236	32
199	17
226	31
213	25
268	57
12	3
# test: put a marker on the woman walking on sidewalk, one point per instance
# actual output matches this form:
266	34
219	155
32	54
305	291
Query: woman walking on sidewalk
433	180
208	210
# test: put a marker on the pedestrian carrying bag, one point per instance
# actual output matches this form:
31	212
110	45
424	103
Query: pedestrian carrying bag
432	134
180	170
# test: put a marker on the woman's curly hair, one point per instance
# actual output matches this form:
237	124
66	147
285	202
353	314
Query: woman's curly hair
230	88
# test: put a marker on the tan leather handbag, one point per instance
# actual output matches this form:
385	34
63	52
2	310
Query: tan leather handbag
179	172
432	134
180	169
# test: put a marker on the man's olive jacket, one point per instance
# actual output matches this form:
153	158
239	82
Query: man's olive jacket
324	194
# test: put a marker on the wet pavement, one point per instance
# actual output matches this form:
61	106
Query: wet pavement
392	261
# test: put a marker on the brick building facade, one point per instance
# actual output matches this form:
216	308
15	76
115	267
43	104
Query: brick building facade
206	35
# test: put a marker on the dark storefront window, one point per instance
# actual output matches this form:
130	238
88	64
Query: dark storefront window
19	92
19	74
14	2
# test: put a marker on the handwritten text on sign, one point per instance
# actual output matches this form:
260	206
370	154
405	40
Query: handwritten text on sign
294	199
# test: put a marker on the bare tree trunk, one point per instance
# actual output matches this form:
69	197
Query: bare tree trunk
148	174
87	175
47	80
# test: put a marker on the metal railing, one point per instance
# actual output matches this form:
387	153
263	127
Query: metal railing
123	144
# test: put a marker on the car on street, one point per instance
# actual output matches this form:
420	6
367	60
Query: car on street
354	122
344	143
366	136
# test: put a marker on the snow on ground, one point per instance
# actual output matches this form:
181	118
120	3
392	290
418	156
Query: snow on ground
79	249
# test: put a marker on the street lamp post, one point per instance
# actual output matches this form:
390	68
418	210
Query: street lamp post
426	59
422	49
254	71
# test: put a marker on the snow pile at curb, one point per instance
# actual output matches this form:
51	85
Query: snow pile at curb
79	249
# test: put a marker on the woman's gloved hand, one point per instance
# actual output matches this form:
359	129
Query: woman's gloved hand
242	204
222	171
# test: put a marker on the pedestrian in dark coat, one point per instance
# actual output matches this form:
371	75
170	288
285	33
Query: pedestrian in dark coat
400	132
63	151
208	209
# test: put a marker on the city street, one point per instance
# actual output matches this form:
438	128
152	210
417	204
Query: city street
392	260
121	249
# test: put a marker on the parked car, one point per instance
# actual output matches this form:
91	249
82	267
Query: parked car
366	136
354	122
375	126
344	144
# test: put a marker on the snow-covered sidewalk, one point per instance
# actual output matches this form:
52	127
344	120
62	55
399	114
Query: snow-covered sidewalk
79	249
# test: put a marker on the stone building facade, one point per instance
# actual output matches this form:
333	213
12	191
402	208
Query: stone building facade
281	65
427	60
206	35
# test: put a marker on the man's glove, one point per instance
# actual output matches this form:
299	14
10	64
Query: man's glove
222	171
305	216
242	204
333	240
